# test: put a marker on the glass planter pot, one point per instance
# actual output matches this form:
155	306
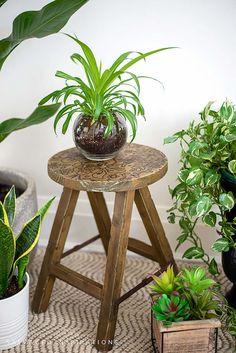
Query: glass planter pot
89	137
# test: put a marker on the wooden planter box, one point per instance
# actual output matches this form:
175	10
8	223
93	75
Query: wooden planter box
195	336
198	336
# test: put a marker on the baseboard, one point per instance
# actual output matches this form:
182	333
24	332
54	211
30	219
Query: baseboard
83	227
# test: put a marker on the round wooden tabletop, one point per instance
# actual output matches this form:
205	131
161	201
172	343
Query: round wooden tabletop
135	167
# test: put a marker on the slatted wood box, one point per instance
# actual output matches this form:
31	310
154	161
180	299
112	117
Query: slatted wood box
195	336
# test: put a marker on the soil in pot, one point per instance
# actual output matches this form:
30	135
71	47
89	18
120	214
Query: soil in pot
12	289
90	137
4	190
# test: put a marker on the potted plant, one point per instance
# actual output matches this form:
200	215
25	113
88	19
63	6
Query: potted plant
187	308
14	280
30	24
206	188
104	100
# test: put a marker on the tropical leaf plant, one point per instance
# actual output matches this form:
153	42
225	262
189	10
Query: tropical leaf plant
15	250
35	24
208	151
2	2
38	24
39	115
102	92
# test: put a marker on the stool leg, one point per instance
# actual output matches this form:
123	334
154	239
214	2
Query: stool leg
114	270
153	226
54	249
101	216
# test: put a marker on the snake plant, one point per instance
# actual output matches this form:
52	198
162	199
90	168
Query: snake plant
102	92
15	250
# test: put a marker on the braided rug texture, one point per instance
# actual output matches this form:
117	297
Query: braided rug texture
69	325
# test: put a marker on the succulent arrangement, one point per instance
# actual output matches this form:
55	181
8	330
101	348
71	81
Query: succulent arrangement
208	154
190	295
15	250
186	296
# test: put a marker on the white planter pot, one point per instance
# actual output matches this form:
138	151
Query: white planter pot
14	318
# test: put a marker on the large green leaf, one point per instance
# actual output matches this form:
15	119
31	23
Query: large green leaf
2	2
10	205
7	252
37	24
39	115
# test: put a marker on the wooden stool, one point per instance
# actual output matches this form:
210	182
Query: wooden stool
128	176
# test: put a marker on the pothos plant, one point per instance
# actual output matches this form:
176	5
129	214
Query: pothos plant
190	295
15	250
208	148
102	92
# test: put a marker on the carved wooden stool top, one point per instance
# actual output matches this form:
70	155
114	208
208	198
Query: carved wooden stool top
135	167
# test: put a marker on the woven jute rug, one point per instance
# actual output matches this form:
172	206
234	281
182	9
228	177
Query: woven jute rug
69	325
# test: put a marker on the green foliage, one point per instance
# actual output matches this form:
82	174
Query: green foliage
192	296
38	24
208	148
14	251
171	308
166	283
39	115
35	24
195	280
103	92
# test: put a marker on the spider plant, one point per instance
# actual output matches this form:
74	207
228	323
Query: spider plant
103	92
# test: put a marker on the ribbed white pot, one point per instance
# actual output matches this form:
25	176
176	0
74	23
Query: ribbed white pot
14	318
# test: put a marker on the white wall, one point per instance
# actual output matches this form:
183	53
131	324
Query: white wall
202	69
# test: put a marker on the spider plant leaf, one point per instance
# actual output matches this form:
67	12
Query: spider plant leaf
49	96
10	205
109	123
71	90
120	60
38	24
91	76
39	115
128	115
98	105
135	78
66	76
60	114
143	56
90	59
7	252
67	121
